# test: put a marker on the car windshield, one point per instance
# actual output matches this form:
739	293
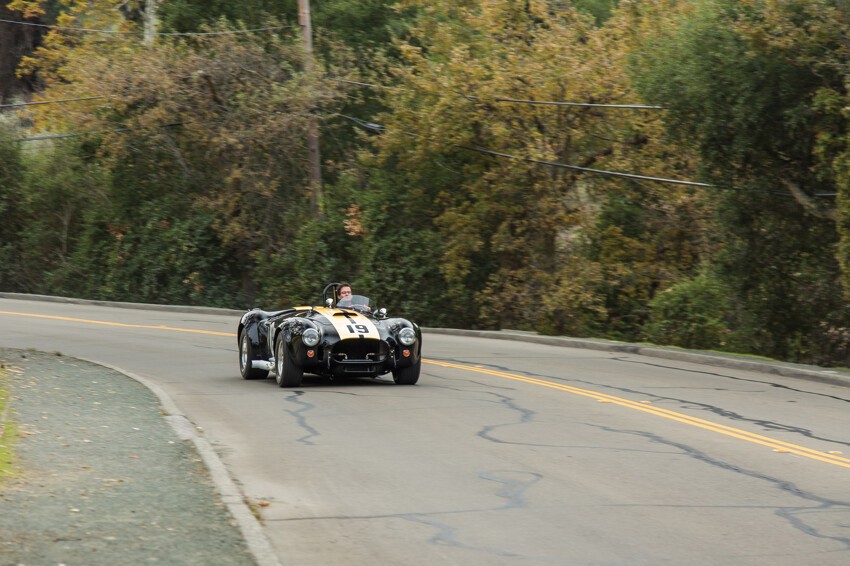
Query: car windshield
356	302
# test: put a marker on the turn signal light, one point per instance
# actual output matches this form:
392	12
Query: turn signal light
405	353
311	353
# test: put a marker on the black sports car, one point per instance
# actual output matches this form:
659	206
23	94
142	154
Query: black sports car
343	338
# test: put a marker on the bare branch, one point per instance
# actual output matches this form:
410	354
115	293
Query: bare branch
809	203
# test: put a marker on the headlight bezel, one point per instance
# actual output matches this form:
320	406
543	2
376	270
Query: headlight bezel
407	336
310	337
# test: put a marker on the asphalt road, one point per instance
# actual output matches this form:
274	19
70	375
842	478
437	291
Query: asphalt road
506	452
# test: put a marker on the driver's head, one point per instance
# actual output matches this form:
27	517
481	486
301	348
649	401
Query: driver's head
343	291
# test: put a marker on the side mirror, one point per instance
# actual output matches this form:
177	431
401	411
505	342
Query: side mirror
329	303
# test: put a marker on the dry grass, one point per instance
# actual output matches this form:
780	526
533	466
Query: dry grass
8	430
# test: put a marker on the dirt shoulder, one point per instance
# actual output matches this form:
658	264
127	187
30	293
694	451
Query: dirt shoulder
101	476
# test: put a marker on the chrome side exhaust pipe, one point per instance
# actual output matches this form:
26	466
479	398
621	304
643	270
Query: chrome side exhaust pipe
262	364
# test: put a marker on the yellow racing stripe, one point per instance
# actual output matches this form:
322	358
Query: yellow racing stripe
350	324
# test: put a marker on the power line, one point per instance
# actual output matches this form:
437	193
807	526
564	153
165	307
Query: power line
380	128
523	101
589	170
372	85
17	104
80	134
633	176
116	32
65	136
585	104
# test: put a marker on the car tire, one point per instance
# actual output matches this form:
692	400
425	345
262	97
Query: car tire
246	355
287	373
408	375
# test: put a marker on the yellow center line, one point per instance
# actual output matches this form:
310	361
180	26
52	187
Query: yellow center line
105	323
741	434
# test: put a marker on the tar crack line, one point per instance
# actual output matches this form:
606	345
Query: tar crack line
794	515
295	397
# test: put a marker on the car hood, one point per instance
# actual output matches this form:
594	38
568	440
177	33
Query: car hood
348	324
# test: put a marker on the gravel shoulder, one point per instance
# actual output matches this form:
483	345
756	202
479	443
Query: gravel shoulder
102	477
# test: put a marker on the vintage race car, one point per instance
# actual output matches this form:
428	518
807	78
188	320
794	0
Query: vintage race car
342	338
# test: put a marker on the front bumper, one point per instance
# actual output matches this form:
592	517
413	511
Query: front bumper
357	358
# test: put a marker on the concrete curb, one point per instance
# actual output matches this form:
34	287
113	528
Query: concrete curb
258	544
718	359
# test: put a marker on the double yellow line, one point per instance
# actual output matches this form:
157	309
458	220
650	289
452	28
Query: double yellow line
120	324
776	445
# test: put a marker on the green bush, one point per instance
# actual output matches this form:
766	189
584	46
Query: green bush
691	314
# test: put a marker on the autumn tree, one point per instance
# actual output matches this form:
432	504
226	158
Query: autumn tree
523	242
759	104
204	142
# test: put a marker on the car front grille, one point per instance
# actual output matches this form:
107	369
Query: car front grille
361	350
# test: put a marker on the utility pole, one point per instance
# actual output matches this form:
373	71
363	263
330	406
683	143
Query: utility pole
150	20
313	155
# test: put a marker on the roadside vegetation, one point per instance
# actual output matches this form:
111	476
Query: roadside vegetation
673	171
8	430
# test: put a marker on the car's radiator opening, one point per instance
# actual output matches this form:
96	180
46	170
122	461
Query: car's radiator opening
360	351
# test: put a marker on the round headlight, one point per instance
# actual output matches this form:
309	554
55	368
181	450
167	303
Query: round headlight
310	337
407	336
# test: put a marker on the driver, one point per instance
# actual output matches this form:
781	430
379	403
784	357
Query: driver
343	291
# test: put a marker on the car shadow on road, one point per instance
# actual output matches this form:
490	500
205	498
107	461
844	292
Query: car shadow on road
317	382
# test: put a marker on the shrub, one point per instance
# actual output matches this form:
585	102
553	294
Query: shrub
691	314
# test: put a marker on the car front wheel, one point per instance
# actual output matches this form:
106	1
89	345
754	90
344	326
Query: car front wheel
287	373
408	375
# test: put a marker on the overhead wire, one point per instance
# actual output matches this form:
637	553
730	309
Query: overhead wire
632	176
520	100
80	134
19	104
582	104
118	32
588	169
358	83
69	135
380	128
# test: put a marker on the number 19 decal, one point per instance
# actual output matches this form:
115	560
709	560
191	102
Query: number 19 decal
358	328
